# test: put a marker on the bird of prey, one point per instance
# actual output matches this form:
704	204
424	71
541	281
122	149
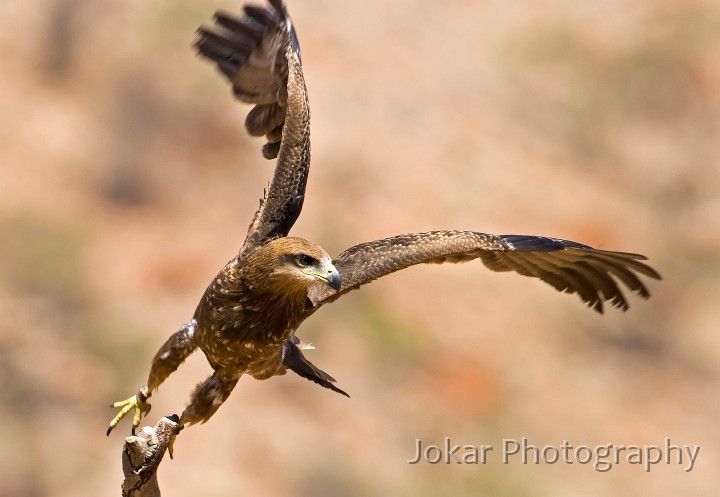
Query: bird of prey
246	320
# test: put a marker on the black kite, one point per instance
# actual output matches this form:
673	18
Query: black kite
246	320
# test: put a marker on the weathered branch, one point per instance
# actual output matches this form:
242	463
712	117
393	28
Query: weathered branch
141	457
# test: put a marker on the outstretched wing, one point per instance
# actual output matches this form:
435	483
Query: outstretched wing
260	56
595	275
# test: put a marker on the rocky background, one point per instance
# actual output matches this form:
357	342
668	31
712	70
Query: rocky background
127	181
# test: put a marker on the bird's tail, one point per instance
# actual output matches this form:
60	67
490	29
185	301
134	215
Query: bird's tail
294	360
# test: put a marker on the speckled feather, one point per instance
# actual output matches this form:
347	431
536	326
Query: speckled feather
260	56
568	266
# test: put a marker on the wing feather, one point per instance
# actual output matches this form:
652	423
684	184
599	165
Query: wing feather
596	276
260	55
624	274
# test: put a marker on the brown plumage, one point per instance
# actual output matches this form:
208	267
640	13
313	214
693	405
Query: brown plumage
247	317
248	313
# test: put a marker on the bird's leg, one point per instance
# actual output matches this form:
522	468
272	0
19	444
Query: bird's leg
208	396
167	359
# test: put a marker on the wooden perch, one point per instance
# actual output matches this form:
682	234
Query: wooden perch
141	457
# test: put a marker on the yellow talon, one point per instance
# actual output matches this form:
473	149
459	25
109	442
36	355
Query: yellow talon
171	446
138	403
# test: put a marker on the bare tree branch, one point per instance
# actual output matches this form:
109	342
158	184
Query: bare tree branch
142	455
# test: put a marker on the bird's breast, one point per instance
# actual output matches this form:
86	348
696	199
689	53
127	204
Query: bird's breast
247	333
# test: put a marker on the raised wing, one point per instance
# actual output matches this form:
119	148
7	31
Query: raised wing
259	54
568	266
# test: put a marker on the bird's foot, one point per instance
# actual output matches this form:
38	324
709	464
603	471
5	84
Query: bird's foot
137	403
171	446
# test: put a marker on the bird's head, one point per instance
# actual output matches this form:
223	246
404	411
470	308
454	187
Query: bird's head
292	264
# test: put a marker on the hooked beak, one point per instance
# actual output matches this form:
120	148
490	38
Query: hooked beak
328	274
334	280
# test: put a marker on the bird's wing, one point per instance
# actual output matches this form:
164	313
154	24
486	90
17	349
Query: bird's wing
260	55
595	275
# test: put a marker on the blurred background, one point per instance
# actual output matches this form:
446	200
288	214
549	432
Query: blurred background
127	181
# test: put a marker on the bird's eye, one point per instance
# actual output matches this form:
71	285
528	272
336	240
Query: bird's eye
304	260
